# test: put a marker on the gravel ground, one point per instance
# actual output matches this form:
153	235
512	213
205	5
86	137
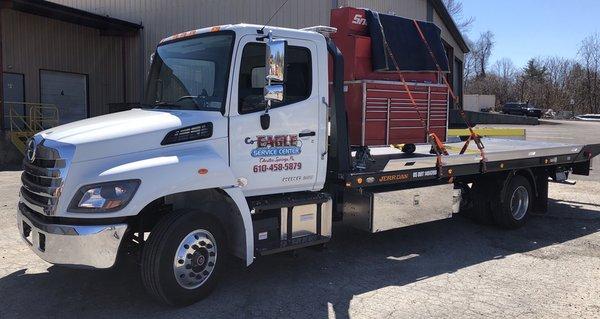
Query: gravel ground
451	268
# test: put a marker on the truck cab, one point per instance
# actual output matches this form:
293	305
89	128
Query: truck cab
222	70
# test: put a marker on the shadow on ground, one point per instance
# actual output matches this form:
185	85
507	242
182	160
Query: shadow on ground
305	285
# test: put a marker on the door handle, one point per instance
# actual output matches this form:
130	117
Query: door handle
307	134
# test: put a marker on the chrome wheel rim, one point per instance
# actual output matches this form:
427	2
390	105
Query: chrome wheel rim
519	202
195	259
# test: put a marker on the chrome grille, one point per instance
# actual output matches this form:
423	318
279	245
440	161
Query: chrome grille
42	179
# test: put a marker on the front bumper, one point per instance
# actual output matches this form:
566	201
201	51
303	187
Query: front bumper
88	246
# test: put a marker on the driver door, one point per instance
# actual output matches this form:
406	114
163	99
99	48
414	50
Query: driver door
285	156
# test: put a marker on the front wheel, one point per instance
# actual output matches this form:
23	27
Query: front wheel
183	258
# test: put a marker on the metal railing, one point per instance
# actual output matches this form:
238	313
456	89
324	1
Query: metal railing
35	117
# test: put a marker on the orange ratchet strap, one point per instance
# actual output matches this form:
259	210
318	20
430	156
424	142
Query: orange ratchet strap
473	136
435	141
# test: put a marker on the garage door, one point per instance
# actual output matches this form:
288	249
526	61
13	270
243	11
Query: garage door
13	92
68	91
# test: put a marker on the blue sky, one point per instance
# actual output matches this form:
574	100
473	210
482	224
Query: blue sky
530	28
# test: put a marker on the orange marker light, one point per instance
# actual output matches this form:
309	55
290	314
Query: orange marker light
203	171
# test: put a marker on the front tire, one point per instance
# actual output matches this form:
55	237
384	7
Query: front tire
183	258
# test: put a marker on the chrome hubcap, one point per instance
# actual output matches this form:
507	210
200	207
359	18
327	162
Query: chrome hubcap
519	202
195	259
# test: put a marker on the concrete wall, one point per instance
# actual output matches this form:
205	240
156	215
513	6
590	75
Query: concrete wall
476	102
476	118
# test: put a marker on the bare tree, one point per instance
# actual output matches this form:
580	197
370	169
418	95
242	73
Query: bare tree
505	75
554	83
455	8
589	55
469	63
481	52
505	69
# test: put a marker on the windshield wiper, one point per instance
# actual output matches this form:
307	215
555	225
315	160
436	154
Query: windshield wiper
161	104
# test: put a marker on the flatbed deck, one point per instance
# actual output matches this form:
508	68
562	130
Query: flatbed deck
391	166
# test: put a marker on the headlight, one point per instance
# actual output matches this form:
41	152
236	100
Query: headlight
104	197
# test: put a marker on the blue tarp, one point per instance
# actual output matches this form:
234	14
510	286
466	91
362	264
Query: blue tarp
404	40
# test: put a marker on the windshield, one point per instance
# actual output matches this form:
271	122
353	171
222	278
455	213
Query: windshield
190	74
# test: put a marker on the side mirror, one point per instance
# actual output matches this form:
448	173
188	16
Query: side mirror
275	59
273	92
274	69
275	72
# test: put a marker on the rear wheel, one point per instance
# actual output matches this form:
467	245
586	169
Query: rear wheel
513	210
183	258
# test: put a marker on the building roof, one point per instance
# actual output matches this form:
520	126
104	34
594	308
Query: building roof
68	14
441	9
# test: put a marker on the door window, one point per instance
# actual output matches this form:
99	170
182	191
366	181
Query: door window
298	77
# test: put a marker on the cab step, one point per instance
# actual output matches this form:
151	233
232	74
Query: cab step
291	221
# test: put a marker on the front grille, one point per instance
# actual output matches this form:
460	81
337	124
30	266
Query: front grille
42	180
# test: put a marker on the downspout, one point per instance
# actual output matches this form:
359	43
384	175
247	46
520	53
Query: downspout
142	66
123	68
2	128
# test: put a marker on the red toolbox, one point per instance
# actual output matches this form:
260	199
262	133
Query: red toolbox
381	113
349	20
379	108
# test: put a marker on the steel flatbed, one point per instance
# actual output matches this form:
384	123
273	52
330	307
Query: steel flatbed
392	167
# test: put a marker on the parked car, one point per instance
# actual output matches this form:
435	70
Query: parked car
518	108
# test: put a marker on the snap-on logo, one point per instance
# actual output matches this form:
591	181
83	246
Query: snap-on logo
359	19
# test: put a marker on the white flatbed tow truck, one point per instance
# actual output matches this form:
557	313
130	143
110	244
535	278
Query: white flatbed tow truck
208	169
